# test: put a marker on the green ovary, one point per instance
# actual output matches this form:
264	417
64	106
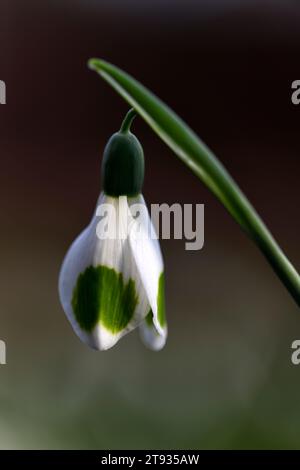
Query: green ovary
101	296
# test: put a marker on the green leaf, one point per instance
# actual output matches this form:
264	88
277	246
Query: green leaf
195	154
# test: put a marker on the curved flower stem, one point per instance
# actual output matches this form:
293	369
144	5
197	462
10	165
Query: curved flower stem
195	154
126	124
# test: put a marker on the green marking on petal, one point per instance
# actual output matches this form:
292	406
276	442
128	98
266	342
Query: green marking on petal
150	324
149	319
161	311
85	301
101	295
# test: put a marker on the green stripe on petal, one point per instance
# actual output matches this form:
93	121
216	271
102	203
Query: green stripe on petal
149	319
102	296
161	309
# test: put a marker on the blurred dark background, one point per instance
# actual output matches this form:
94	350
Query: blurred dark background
225	379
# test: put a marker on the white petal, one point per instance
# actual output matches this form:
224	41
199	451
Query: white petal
147	254
89	250
78	258
151	338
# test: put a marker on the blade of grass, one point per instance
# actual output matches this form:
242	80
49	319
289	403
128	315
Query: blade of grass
195	154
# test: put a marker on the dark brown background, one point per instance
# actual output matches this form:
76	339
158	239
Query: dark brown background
225	379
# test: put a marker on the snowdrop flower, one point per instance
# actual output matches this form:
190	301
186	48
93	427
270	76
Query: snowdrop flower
112	278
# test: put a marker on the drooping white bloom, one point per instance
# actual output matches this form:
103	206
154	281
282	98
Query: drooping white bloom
112	278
